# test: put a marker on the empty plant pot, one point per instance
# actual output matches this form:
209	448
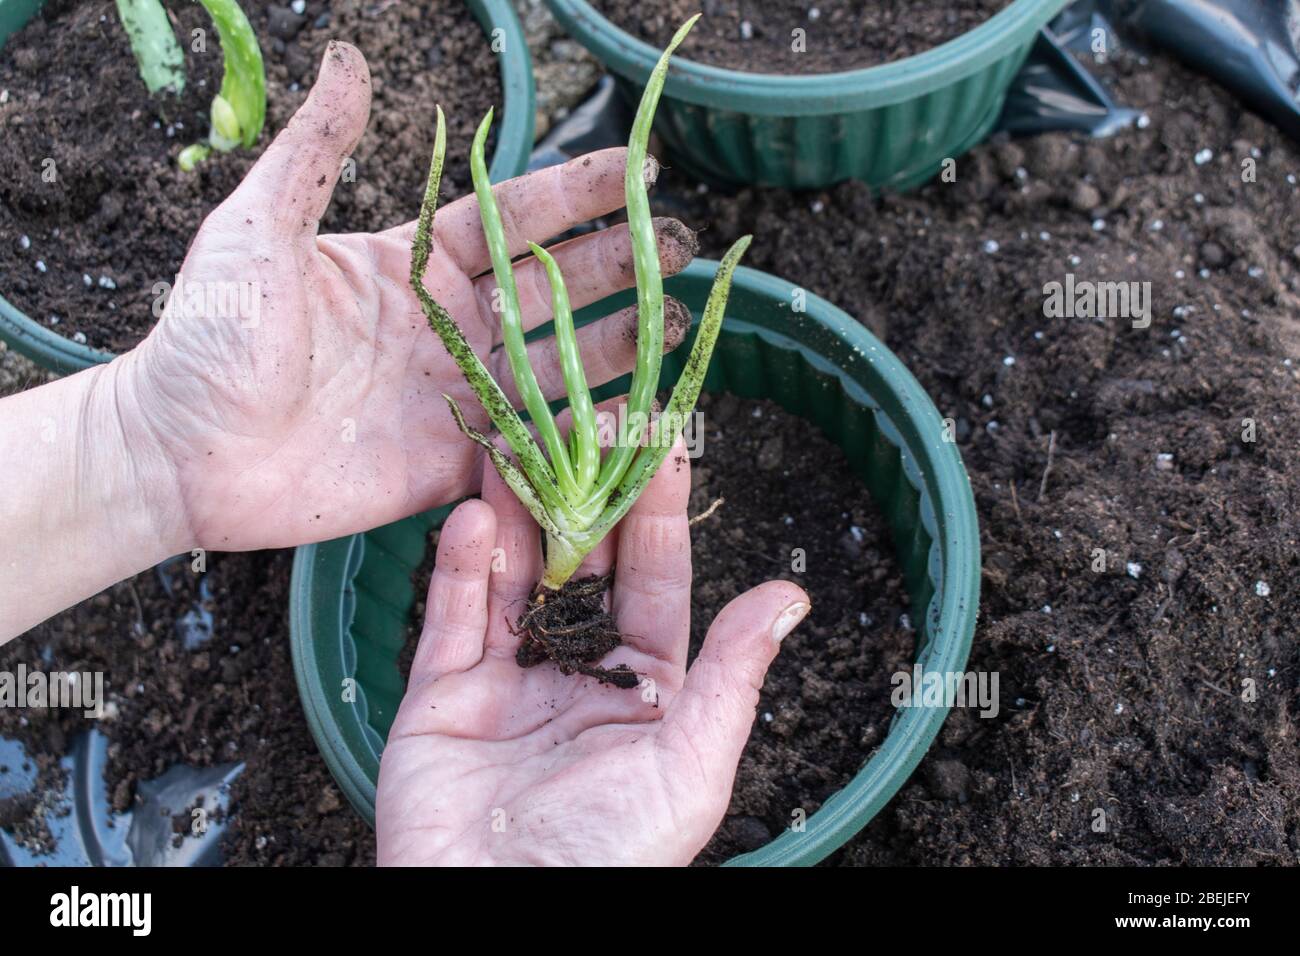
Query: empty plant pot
514	131
351	598
890	126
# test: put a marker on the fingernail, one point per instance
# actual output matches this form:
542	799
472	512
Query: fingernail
788	620
650	170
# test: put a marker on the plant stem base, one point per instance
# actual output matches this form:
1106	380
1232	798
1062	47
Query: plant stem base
572	629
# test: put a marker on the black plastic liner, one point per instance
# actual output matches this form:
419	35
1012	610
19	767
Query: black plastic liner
161	829
1251	47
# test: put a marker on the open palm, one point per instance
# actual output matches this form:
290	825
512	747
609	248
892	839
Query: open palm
488	763
312	406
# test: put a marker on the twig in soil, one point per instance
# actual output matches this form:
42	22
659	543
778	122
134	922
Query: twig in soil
708	512
139	609
1216	687
1163	606
1051	454
1015	502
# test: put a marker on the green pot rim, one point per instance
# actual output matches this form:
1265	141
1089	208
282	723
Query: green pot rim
944	532
820	94
58	353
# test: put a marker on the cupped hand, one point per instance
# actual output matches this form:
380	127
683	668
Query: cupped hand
488	763
293	386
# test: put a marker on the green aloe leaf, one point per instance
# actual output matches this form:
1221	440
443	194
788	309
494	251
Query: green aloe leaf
157	52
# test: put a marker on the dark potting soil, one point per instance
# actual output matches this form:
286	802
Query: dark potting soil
81	253
825	703
1138	489
758	36
196	671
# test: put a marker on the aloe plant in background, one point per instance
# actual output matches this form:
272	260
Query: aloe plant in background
575	495
157	54
238	111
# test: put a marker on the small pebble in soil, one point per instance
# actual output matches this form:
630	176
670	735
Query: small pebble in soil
1134	569
991	246
1164	461
1203	157
1262	588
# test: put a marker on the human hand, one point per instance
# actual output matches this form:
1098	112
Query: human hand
319	411
488	763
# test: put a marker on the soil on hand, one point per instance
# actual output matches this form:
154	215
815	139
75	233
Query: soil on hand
572	629
1137	487
761	36
93	208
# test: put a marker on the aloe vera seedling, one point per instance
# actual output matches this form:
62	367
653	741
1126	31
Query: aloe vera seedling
239	109
575	494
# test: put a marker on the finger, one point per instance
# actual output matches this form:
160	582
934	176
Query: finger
607	346
517	565
711	716
652	591
593	266
455	617
293	180
534	207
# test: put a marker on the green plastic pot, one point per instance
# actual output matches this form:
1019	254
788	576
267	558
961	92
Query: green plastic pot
514	143
351	598
890	126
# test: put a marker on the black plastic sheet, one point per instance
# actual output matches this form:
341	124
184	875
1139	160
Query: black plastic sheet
1251	47
1054	91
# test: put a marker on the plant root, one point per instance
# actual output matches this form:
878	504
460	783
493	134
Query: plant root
571	629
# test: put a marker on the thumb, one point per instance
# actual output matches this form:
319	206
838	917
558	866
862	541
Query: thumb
709	720
294	179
